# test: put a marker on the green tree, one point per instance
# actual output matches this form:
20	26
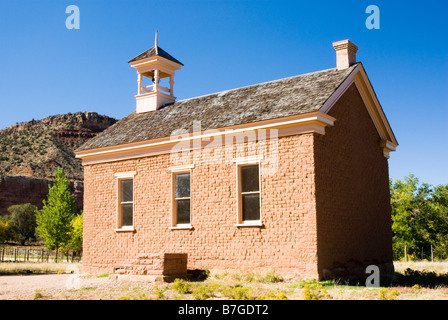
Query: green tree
23	222
5	228
54	219
75	242
419	219
440	199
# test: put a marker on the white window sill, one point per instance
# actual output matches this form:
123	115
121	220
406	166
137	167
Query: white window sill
125	229
250	224
181	226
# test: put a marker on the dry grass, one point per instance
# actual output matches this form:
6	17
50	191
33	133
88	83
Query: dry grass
38	267
419	285
253	285
440	267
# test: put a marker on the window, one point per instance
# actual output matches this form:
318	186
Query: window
127	202
249	194
125	217
181	199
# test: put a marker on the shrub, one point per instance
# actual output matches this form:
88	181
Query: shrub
238	292
315	291
181	286
202	293
204	274
271	277
159	293
38	293
272	296
388	294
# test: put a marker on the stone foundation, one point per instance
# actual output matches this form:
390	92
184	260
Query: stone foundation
162	266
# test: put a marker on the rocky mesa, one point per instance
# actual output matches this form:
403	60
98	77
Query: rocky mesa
31	151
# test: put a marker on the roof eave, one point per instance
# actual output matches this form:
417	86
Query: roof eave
359	77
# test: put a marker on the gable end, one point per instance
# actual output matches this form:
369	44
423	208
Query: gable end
360	79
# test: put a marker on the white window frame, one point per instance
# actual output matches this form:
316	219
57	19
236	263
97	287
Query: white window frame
243	162
174	171
120	177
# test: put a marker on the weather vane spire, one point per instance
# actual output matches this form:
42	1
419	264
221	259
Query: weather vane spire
156	43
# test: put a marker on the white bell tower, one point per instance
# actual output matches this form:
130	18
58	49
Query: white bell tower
154	64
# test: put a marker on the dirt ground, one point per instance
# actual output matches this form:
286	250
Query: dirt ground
33	286
60	284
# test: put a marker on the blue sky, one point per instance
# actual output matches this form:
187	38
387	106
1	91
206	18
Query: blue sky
47	69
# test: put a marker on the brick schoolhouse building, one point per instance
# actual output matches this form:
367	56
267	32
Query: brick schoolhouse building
289	175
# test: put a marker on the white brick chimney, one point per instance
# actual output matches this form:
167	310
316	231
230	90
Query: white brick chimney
345	53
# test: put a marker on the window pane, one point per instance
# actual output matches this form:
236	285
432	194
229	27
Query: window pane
183	211
126	215
251	207
249	179
126	190
182	185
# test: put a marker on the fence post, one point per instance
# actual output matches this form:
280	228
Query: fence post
405	253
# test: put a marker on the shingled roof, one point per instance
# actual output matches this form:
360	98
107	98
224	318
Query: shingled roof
275	99
155	51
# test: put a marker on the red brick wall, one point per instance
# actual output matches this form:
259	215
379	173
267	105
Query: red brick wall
342	175
352	192
287	242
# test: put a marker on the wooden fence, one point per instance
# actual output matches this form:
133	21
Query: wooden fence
37	255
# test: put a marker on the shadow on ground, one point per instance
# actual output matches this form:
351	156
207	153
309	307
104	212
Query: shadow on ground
409	278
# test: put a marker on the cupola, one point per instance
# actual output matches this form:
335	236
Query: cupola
154	64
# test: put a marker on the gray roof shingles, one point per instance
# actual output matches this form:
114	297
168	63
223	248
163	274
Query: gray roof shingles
155	52
275	99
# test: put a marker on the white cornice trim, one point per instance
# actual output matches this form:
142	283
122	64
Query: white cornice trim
339	91
299	124
376	104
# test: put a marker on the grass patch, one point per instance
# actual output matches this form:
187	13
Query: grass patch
89	288
104	275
